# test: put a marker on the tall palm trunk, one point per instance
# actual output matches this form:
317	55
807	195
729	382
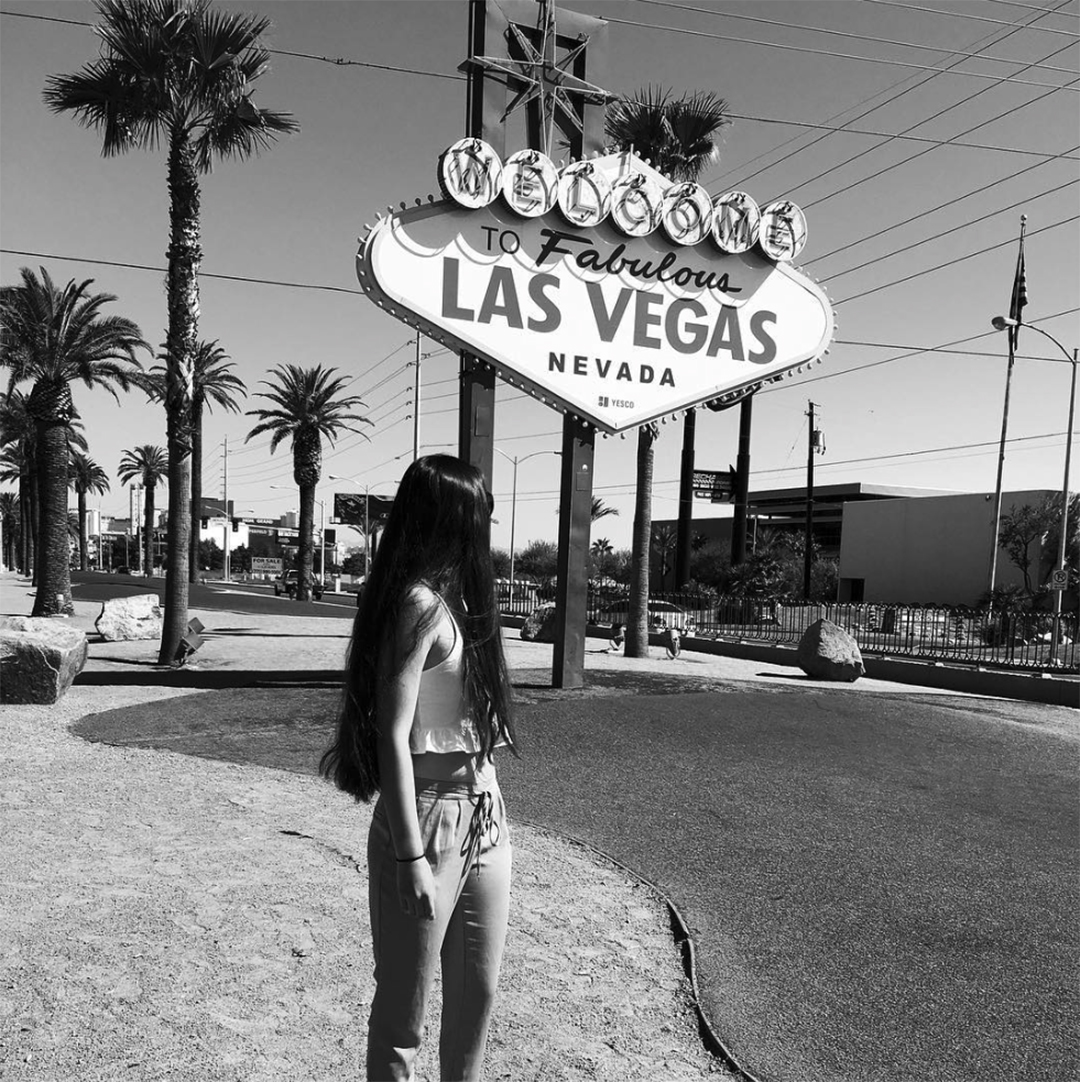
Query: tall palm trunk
184	258
84	540
53	412
307	465
307	546
196	489
637	627
148	529
26	545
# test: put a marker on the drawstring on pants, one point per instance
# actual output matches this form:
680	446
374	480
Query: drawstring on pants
482	824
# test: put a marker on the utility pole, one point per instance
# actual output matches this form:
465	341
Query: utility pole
742	482
416	404
686	501
228	517
808	556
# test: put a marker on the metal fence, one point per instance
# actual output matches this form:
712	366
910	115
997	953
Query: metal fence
929	632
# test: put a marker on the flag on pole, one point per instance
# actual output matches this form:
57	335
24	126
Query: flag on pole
1019	291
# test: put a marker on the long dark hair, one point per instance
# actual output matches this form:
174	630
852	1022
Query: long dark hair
438	535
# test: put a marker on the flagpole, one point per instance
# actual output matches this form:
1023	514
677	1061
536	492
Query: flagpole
1019	299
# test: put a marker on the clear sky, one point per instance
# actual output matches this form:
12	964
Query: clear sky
915	242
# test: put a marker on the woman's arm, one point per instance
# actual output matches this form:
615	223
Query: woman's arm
398	692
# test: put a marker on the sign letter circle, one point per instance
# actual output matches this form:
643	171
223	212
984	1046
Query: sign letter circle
530	183
470	173
736	222
687	213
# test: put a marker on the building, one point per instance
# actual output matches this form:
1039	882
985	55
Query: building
895	544
931	550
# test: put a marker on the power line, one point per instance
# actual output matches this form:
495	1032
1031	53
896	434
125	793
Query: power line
977	18
901	137
903	356
847	34
339	62
913	157
933	210
831	54
163	270
986	42
951	262
956	228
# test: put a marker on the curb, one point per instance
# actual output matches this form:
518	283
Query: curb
683	940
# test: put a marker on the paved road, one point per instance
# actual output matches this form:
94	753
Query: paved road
237	596
880	887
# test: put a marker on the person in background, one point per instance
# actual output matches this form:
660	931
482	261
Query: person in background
426	702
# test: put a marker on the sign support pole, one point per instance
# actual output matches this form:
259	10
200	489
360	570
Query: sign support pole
484	101
742	482
571	598
686	502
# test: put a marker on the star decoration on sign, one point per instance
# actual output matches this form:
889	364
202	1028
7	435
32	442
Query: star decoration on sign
539	77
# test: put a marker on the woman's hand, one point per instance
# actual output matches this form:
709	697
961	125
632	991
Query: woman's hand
416	889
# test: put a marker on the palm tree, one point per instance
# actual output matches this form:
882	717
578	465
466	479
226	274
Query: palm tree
53	337
601	509
177	72
149	464
601	550
310	405
212	382
679	137
9	525
17	468
86	476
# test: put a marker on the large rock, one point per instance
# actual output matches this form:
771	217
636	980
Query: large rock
137	617
828	652
539	625
39	657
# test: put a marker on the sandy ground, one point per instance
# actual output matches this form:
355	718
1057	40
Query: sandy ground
168	917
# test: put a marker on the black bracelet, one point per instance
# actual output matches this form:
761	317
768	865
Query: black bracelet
410	860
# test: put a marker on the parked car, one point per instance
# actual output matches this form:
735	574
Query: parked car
288	582
661	614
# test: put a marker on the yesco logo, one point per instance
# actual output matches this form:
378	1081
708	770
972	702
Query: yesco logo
637	203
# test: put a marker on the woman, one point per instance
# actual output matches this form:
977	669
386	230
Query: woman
426	702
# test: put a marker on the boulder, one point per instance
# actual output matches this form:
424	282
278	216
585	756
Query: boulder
39	658
828	652
137	617
539	625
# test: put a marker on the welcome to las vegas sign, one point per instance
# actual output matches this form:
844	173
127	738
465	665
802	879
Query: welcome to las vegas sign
602	288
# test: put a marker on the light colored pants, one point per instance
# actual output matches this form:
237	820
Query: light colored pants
467	843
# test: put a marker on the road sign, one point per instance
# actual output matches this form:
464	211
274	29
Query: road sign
715	485
1059	579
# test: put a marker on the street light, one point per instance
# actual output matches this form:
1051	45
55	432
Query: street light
1001	323
513	503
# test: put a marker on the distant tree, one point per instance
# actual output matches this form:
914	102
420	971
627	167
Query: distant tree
9	524
53	337
149	465
601	510
86	477
308	406
501	559
710	563
210	556
601	556
1022	527
212	384
663	549
354	563
539	560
